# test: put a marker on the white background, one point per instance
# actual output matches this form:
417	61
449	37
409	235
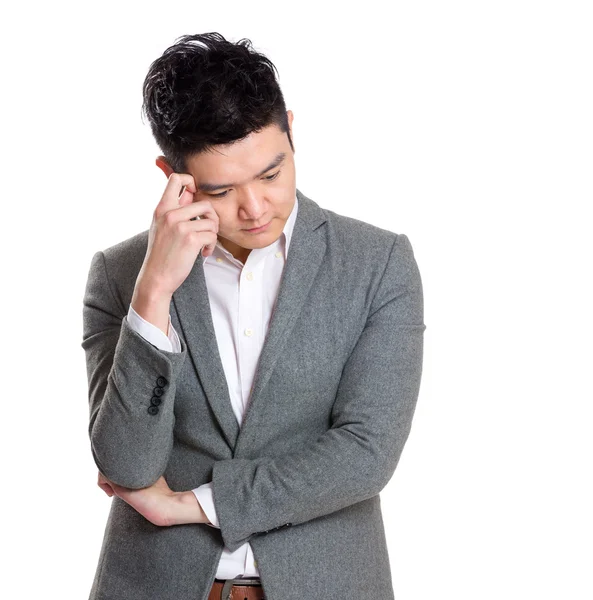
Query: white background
468	126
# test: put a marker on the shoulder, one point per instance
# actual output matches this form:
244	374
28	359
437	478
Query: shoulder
362	243
122	263
346	233
128	252
375	249
355	232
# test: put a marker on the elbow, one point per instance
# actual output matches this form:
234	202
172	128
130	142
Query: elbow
385	464
381	475
128	457
122	470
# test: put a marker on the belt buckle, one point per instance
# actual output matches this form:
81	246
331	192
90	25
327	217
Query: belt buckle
229	583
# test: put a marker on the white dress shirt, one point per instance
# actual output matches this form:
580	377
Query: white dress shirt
242	297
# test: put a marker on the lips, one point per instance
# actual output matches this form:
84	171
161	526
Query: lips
257	229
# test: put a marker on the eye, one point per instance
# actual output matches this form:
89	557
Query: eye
268	178
221	195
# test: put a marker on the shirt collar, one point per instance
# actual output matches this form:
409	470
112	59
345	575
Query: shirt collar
286	236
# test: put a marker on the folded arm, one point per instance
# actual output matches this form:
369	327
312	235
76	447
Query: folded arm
172	343
371	421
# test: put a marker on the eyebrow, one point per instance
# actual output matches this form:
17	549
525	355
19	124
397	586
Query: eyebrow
211	187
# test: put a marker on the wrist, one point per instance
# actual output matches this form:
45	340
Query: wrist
152	305
188	509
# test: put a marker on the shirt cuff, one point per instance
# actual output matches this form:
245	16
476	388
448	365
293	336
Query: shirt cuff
204	496
152	334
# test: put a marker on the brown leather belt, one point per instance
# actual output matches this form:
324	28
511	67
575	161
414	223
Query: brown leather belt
240	588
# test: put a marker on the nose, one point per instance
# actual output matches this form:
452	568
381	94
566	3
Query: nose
252	207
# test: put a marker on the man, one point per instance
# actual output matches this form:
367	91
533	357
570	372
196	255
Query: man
253	360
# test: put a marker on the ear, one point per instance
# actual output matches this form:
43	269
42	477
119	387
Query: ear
164	166
290	116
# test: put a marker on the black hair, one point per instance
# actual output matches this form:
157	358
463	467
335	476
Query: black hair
205	90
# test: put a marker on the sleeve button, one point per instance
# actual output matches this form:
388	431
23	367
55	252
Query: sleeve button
155	401
153	410
161	381
158	391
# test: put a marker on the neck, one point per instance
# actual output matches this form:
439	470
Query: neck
237	251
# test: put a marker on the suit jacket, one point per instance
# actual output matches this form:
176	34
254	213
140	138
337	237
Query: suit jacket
331	408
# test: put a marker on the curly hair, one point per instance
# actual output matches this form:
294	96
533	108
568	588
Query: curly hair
205	90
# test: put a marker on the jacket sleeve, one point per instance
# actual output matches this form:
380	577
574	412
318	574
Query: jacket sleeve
371	420
131	388
172	343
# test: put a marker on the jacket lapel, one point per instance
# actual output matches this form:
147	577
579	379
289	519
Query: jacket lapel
305	254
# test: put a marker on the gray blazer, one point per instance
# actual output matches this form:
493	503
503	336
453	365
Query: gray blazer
331	408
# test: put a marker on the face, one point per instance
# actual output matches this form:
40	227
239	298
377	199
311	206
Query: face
250	183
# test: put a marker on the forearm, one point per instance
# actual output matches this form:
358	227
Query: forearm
187	509
346	465
132	416
370	422
131	435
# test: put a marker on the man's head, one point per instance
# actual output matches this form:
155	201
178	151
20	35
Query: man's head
216	111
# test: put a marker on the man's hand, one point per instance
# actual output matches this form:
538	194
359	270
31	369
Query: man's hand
180	229
175	239
158	503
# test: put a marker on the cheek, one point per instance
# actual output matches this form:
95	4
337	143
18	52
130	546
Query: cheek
225	221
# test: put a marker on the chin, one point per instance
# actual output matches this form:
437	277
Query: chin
264	240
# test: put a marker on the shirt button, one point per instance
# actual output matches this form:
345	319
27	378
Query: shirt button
219	259
250	276
249	332
278	255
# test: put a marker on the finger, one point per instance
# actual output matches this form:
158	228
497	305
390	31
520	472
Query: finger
203	225
178	185
202	209
207	251
208	237
208	248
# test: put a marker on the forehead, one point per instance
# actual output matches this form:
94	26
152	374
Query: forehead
248	155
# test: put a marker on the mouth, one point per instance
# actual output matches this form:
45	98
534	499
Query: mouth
258	229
